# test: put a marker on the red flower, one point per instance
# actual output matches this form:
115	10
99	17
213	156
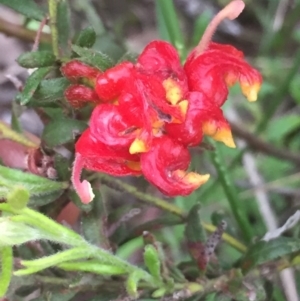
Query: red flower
148	113
220	67
165	167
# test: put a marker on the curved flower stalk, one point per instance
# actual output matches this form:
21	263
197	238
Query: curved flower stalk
147	114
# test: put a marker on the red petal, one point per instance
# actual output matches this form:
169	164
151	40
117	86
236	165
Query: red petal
165	167
99	157
216	68
112	82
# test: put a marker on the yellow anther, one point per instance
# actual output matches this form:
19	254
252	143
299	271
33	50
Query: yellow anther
137	146
222	134
173	91
191	178
250	91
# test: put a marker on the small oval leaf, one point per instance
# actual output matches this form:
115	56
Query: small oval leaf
93	57
36	59
32	84
86	37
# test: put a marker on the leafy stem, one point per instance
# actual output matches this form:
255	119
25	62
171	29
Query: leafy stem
231	193
166	206
52	5
80	248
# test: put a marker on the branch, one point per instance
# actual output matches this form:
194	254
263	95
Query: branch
18	31
260	145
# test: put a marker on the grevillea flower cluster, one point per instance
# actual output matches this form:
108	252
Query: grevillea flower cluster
148	114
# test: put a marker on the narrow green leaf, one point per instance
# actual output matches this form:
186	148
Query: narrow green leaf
52	260
44	199
132	284
27	8
196	237
32	84
262	251
6	263
91	222
159	293
63	27
92	266
93	57
36	59
18	197
194	230
170	17
200	26
86	37
60	131
231	193
34	184
152	261
15	114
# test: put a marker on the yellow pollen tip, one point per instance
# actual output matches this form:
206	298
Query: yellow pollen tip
137	146
222	134
173	91
183	105
250	91
191	178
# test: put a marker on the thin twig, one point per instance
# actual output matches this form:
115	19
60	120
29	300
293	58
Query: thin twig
22	33
39	34
260	145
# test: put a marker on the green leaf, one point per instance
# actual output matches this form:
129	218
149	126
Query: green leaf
132	284
34	184
94	58
27	8
93	266
86	37
159	293
152	261
33	266
200	26
194	230
263	251
60	131
32	84
6	263
49	91
282	126
171	22
63	27
18	197
44	199
15	114
36	59
91	222
295	89
14	232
